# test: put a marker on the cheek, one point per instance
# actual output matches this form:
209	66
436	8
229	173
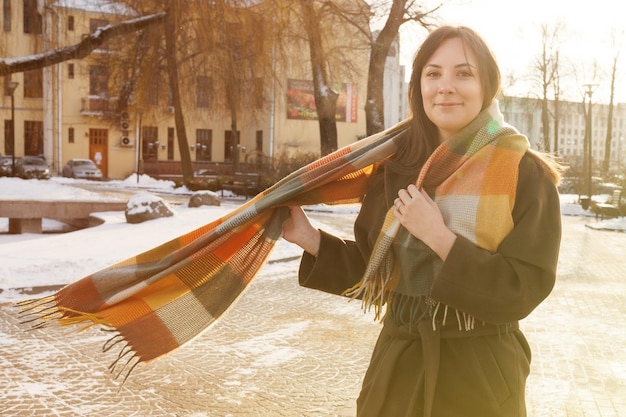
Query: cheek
427	90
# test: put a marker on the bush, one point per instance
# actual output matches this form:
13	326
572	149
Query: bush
199	183
284	164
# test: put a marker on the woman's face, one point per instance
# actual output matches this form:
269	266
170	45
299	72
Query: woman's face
451	89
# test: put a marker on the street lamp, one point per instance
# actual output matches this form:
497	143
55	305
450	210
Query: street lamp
588	138
11	86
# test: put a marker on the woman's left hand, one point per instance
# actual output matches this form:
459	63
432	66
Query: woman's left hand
421	216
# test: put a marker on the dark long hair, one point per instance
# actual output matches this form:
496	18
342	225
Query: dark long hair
422	138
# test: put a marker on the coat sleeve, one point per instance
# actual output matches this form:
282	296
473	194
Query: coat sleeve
340	264
507	285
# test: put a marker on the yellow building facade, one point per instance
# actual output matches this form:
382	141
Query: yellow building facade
72	109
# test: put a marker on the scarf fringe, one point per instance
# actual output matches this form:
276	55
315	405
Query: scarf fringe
371	297
43	311
466	323
375	290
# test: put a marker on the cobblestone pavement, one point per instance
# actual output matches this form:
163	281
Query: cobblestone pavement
289	351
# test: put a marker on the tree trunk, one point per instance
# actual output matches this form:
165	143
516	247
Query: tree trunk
606	163
325	96
172	68
233	131
375	102
545	120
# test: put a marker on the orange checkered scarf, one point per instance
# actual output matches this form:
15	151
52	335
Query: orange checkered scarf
158	300
473	177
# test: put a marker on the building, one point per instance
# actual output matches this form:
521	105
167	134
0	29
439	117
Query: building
77	108
395	90
525	115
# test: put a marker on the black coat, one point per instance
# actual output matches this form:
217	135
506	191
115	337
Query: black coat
478	373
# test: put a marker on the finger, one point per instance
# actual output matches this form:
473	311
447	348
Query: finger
425	194
413	190
397	204
404	196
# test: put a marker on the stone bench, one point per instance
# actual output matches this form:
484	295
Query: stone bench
25	216
611	208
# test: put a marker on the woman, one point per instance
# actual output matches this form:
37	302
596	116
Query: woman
476	250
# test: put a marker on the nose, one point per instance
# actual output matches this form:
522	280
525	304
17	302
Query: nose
446	85
445	89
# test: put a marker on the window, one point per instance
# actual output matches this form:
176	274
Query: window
32	18
204	142
8	134
70	23
170	143
70	71
70	135
33	138
33	83
6	15
98	89
203	92
98	81
259	140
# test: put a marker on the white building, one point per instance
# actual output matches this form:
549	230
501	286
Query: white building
525	115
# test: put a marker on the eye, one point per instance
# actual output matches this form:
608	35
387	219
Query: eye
465	73
432	73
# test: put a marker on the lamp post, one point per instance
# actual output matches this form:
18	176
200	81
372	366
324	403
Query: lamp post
589	88
11	86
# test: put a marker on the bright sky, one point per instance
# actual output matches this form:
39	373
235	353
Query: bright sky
513	31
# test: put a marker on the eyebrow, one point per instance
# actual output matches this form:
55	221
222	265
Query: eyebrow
465	64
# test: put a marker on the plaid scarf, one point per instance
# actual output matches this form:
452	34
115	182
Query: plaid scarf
160	299
473	177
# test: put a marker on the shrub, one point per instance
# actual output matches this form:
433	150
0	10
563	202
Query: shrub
284	164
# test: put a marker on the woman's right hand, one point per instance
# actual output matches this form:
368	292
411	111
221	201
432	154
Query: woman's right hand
299	230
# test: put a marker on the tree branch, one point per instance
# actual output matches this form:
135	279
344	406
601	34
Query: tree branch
81	49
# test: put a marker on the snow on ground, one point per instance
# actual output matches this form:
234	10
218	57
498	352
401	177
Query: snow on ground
34	260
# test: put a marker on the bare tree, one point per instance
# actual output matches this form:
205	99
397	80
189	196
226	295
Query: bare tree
171	24
325	96
546	65
556	89
234	48
401	12
606	163
212	56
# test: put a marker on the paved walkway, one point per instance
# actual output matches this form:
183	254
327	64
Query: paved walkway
288	351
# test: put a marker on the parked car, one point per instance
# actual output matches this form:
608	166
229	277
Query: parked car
32	167
82	168
568	186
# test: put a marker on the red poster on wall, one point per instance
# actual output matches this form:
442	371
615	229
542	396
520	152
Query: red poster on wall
301	101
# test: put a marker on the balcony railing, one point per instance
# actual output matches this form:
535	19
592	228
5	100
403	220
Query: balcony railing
98	105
